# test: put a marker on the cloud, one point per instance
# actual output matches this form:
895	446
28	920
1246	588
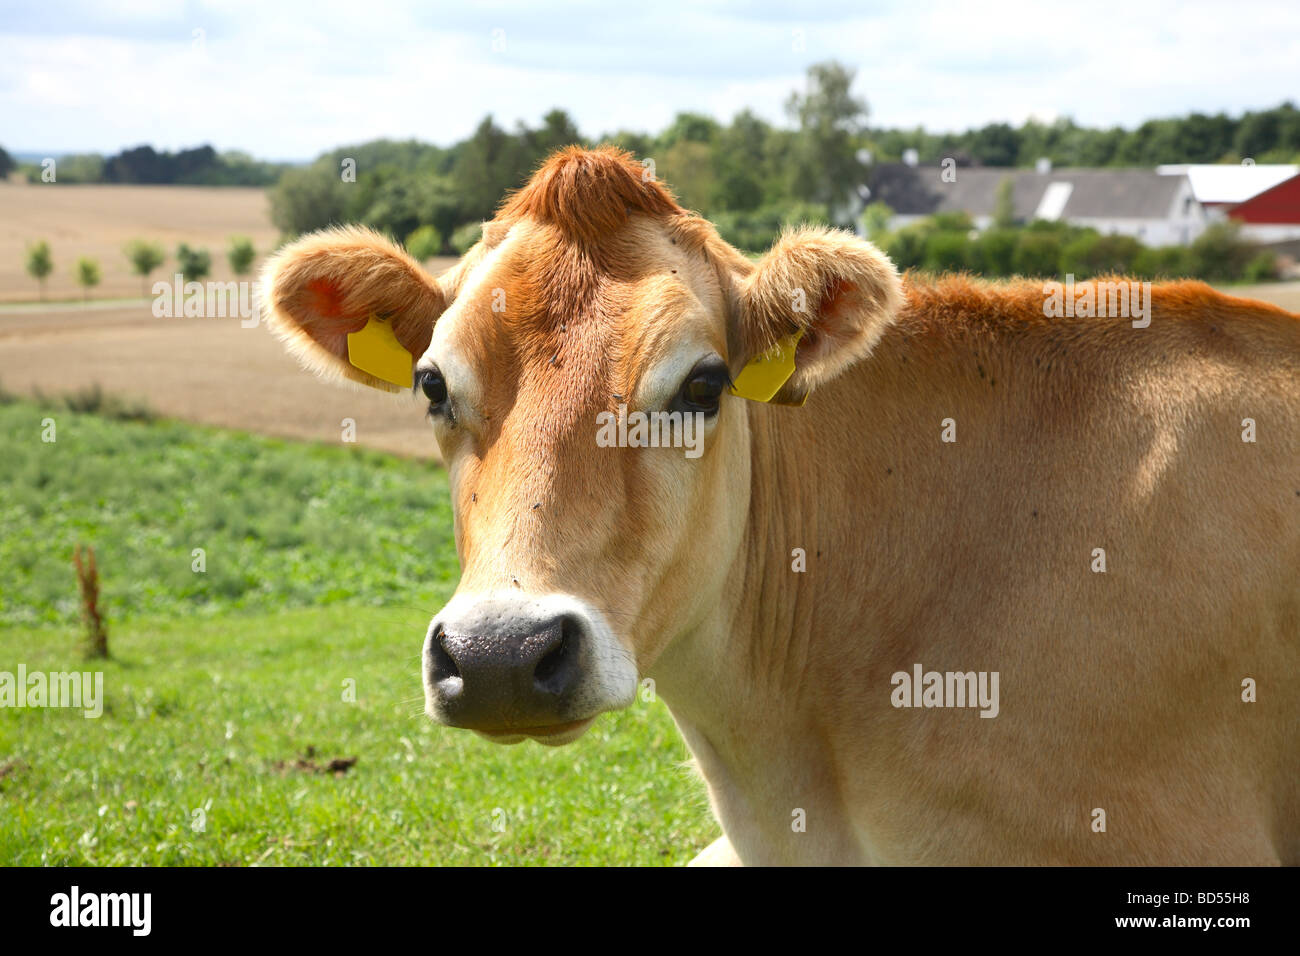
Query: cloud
290	80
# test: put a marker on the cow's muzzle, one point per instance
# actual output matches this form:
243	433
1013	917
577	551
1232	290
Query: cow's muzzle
512	667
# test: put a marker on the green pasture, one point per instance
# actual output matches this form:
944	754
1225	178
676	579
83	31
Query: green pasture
267	709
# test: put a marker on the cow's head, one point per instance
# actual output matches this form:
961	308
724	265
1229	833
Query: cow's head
591	289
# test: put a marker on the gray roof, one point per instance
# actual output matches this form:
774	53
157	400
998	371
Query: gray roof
1096	193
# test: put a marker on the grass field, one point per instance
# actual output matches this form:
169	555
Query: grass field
226	691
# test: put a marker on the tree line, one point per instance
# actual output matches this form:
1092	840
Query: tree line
749	175
143	165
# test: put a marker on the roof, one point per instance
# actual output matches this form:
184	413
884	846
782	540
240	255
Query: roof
1230	183
1061	193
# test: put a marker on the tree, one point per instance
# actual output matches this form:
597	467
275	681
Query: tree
744	171
424	243
87	275
241	255
687	167
144	258
481	173
995	145
398	202
309	198
40	263
7	164
690	128
1004	204
194	264
876	219
557	131
830	118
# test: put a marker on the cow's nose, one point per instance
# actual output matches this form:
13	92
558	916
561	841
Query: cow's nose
506	675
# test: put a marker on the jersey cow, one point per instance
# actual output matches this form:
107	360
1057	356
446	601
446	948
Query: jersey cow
984	581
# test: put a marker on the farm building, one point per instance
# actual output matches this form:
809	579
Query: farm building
1273	216
1154	208
1265	199
1220	187
1168	205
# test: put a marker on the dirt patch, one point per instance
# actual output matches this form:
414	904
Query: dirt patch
308	764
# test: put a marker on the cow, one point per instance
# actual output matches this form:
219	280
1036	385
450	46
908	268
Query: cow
962	579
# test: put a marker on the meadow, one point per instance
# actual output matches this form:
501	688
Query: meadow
267	708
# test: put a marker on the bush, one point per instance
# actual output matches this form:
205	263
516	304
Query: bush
1038	253
463	239
1161	262
1261	268
424	243
993	253
952	222
1092	255
1220	252
906	246
93	400
947	252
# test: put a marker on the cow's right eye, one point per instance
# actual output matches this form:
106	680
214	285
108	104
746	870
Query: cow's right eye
434	387
702	390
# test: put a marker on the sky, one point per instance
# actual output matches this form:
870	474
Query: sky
291	79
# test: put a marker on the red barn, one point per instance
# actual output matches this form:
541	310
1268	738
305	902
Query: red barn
1273	215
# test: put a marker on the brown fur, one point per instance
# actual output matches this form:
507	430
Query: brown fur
588	195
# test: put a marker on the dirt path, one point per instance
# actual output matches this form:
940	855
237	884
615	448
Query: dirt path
211	371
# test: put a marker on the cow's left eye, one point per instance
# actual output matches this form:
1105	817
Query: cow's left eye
434	386
702	390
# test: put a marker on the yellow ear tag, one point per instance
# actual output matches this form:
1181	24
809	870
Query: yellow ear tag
375	349
763	377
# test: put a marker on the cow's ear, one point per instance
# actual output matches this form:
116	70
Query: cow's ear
326	285
838	292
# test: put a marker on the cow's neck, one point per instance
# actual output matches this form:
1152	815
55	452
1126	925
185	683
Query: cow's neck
743	689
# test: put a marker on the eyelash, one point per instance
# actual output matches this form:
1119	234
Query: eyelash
445	415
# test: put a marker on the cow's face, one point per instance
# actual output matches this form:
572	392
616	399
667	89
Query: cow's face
593	315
